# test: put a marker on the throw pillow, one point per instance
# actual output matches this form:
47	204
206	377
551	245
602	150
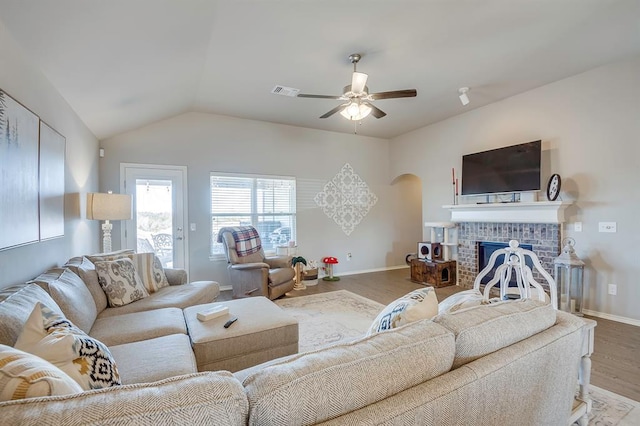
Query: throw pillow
461	300
53	338
71	295
23	375
120	281
414	306
150	271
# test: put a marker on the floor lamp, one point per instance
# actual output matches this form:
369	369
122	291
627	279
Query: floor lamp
108	207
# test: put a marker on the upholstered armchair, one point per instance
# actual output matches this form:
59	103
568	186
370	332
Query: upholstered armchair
250	272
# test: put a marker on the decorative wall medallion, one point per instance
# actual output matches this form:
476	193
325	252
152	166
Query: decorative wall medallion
346	199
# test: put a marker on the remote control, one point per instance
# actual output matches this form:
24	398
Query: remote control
231	321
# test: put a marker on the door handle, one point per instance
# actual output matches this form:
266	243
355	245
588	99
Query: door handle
179	228
179	238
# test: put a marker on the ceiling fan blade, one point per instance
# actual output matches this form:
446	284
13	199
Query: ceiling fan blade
358	82
304	95
408	93
376	112
333	111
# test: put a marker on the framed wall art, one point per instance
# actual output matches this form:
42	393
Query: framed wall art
52	151
19	219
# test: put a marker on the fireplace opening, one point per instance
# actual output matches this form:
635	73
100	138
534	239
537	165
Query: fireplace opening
486	248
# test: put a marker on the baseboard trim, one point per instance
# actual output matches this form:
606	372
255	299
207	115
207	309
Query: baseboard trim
611	317
366	271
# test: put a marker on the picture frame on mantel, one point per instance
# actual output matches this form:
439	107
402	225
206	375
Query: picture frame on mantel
19	216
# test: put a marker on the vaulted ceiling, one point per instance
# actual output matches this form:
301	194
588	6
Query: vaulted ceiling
122	64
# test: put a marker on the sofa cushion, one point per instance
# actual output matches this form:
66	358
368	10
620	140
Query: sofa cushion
155	359
195	399
53	338
136	326
149	269
23	375
120	281
416	305
71	295
178	296
338	379
483	329
86	270
16	304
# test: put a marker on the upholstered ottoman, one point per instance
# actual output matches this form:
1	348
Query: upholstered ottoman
262	332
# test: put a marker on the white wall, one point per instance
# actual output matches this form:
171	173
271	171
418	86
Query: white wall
25	83
206	142
590	128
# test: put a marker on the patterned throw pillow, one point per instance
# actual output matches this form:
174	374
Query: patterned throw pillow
461	300
120	281
150	271
23	375
53	338
414	306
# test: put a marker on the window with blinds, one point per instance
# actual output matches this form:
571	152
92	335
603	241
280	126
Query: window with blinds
266	202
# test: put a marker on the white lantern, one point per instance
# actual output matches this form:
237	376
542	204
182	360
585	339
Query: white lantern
569	276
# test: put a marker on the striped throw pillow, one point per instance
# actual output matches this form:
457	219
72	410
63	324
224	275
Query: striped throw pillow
150	271
23	375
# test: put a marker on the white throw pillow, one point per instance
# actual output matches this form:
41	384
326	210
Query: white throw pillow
23	375
414	306
120	281
150	271
461	300
53	338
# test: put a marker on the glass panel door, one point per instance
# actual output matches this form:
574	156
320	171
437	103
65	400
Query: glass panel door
154	218
159	211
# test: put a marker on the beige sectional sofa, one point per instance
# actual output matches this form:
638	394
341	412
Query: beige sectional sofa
511	363
153	326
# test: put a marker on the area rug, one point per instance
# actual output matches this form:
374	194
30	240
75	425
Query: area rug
339	316
611	409
328	318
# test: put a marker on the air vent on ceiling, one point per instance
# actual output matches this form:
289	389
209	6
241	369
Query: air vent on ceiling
285	91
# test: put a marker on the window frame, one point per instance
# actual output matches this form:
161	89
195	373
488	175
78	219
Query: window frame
254	214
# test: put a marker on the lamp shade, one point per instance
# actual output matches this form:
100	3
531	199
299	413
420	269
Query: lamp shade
102	206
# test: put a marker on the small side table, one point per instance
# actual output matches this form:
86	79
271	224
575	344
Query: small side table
582	405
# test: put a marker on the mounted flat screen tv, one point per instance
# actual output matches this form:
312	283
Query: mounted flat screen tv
510	169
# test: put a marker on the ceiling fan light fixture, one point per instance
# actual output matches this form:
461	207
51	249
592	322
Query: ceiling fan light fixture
464	98
356	111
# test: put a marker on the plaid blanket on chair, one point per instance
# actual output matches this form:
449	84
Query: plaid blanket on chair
247	239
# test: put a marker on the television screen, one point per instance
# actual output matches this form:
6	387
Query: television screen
509	169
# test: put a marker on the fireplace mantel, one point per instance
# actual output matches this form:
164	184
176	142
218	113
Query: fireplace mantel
527	212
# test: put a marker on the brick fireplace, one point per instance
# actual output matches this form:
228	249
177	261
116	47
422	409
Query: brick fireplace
544	239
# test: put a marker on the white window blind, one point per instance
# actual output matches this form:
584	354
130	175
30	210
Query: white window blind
268	203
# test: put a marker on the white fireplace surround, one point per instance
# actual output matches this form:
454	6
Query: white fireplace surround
522	212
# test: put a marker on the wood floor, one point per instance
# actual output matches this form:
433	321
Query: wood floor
615	361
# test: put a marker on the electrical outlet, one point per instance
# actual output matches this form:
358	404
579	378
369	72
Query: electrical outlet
577	227
192	227
348	257
613	289
607	227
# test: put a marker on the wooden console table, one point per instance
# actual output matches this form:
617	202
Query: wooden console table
582	403
437	274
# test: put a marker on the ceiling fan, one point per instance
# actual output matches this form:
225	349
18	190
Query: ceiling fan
358	99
